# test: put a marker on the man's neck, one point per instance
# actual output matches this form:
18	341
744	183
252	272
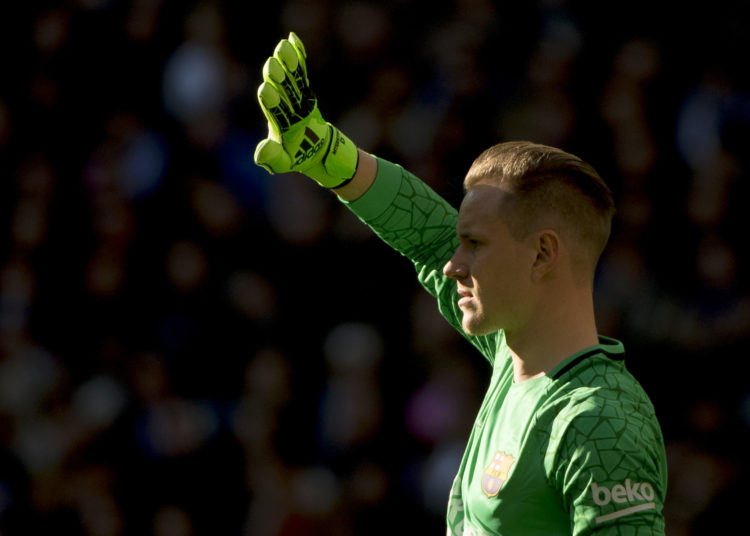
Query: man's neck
554	336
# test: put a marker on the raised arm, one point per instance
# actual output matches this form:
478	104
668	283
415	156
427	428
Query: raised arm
404	211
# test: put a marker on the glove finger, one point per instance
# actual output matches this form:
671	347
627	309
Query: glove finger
299	49
276	75
288	55
268	96
297	43
274	71
280	113
291	55
271	156
300	75
269	100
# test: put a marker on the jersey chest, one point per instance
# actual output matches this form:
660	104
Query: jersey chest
503	484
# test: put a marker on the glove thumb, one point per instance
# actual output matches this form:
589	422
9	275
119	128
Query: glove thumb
270	154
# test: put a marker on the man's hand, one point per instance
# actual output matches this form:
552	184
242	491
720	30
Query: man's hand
299	139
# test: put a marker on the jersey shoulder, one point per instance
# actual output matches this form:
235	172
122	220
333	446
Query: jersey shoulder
601	396
602	446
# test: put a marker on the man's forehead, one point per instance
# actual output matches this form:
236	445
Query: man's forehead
483	203
485	195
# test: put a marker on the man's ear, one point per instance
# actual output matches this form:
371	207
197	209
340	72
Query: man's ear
547	244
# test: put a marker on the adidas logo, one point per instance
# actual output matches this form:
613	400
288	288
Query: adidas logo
309	146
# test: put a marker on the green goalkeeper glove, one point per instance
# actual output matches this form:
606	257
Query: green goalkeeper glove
299	139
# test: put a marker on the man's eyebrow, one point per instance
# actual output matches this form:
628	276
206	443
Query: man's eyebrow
466	233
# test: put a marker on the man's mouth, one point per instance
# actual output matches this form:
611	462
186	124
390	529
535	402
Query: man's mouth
466	297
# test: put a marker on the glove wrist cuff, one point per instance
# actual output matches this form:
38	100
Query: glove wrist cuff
339	163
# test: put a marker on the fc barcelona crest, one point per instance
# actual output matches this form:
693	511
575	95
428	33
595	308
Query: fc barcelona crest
496	473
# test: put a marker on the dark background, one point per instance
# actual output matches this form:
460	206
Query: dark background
189	346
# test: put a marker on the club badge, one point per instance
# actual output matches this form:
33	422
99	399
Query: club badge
496	473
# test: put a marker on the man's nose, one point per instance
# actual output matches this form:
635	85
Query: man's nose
454	269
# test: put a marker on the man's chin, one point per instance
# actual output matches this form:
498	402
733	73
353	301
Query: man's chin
475	327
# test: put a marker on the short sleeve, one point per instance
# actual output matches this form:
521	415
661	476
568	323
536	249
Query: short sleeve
606	458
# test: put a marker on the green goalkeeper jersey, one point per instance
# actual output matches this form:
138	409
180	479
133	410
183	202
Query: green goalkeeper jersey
576	451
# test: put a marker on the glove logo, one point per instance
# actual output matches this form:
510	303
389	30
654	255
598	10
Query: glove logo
309	146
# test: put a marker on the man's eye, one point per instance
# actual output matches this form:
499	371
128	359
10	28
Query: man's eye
470	242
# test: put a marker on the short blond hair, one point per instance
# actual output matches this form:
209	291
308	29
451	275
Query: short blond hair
548	184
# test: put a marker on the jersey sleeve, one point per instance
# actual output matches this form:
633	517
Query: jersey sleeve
607	459
413	219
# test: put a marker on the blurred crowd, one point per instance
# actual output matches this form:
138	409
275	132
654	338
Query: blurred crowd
189	346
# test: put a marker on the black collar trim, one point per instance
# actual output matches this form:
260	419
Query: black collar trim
619	356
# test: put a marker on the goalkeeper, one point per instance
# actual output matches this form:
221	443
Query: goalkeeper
566	441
